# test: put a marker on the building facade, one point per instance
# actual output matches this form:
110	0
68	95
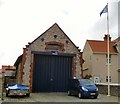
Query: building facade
95	56
49	62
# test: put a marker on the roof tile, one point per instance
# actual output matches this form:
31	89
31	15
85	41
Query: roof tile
101	46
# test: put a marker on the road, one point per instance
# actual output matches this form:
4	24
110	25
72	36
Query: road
60	97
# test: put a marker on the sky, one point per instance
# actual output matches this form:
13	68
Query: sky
22	21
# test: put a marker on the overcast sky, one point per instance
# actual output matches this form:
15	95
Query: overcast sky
21	21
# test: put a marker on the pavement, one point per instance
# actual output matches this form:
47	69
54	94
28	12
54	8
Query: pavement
60	97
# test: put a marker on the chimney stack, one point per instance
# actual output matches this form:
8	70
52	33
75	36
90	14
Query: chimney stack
106	37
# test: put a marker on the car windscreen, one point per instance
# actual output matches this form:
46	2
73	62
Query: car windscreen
86	82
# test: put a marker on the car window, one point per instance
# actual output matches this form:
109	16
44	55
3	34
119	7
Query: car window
86	82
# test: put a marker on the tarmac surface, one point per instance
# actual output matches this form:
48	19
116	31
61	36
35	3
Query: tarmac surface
59	97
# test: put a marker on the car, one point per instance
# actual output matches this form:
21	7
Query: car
17	90
83	88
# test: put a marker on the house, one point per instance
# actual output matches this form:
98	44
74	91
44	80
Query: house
7	76
8	70
48	62
95	56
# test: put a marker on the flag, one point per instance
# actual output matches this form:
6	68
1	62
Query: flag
105	10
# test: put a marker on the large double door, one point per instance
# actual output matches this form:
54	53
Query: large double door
51	73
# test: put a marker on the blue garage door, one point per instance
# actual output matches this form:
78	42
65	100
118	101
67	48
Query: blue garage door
51	73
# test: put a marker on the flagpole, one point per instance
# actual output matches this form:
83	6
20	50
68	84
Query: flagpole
108	53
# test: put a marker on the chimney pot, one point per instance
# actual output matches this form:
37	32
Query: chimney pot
106	37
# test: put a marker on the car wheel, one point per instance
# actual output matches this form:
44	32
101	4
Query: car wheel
28	95
69	93
79	95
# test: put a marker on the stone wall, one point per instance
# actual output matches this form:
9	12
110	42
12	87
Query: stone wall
114	89
18	75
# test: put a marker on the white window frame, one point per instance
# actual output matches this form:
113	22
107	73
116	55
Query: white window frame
110	59
110	78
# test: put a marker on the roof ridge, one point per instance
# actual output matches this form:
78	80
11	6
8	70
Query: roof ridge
95	40
99	41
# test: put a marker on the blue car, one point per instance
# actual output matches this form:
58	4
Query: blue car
17	90
83	88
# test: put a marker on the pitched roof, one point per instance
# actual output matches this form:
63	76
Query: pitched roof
19	59
101	46
54	25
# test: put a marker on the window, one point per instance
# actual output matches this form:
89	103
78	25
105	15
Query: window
107	58
96	79
107	78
